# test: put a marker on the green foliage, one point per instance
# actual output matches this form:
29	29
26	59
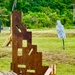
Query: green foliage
41	13
36	20
4	19
40	19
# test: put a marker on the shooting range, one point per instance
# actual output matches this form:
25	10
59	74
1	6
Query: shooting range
37	37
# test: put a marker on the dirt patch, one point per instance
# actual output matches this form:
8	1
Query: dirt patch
44	34
5	53
59	57
51	34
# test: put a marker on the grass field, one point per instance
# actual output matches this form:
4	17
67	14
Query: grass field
50	45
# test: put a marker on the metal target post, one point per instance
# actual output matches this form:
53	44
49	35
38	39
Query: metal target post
63	43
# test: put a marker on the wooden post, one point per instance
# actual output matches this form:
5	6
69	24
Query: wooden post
53	66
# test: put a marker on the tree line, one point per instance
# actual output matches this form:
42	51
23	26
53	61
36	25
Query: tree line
40	13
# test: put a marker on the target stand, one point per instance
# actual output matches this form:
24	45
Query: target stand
25	58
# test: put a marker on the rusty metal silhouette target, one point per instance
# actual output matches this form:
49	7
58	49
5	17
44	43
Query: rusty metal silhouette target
25	58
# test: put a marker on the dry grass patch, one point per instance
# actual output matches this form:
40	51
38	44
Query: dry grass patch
59	57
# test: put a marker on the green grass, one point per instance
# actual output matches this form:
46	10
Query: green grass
54	43
50	46
63	58
5	64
